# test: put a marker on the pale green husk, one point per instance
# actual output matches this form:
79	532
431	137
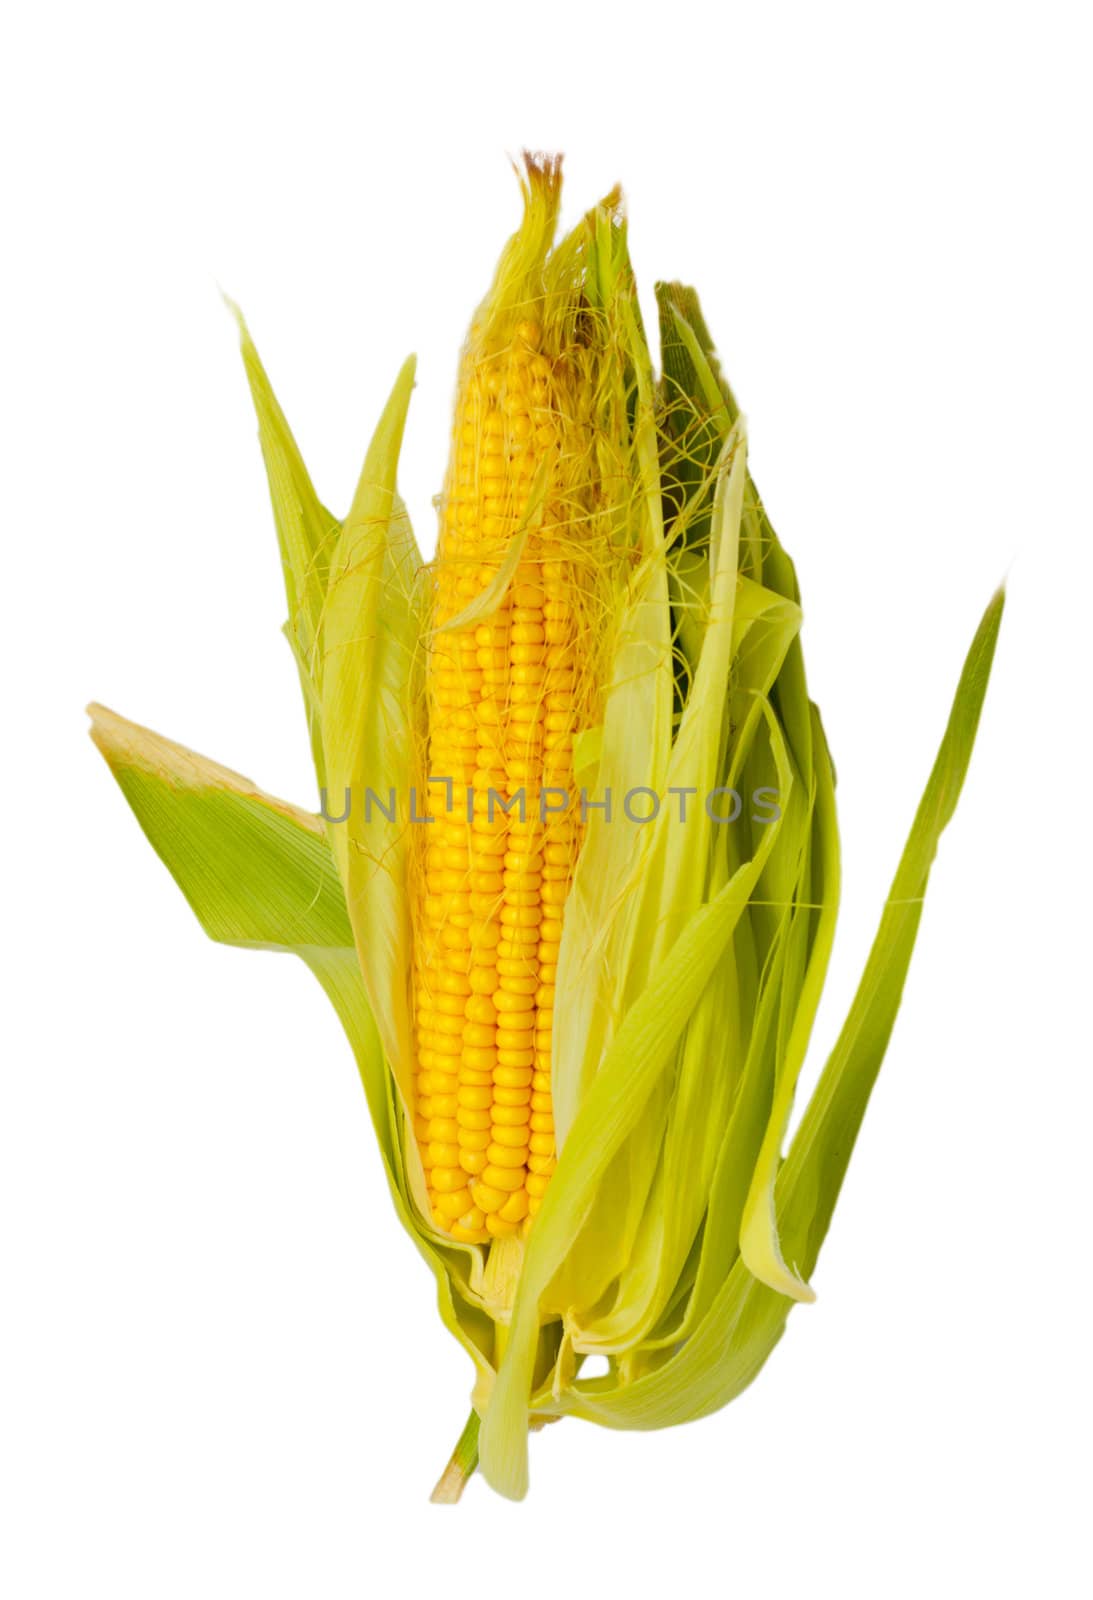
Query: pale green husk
674	1237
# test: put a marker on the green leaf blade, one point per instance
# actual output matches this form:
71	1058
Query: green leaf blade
810	1180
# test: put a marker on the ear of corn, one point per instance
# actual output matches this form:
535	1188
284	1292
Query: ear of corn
503	708
580	1033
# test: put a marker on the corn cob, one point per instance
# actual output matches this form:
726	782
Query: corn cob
503	702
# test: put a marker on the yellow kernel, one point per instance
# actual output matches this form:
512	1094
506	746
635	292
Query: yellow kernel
528	655
515	1058
446	1180
506	1000
475	1099
468	1236
468	1117
511	1095
480	1058
486	938
528	672
511	1077
484	883
499	1227
438	1083
490	633
510	1117
522	967
525	984
511	1137
526	694
474	1138
488	1198
522	866
472	1161
519	1037
528	895
507	1179
515	1208
453	1204
501	1155
516	917
449	1025
536	1184
452	983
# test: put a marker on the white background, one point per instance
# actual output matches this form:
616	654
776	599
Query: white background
221	1369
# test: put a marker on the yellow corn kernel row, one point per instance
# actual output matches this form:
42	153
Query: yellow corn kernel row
502	718
559	837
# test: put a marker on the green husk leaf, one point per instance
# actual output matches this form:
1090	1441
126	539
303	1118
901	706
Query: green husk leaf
811	1177
306	532
368	641
611	1109
759	1243
256	871
635	739
259	873
672	886
745	1319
